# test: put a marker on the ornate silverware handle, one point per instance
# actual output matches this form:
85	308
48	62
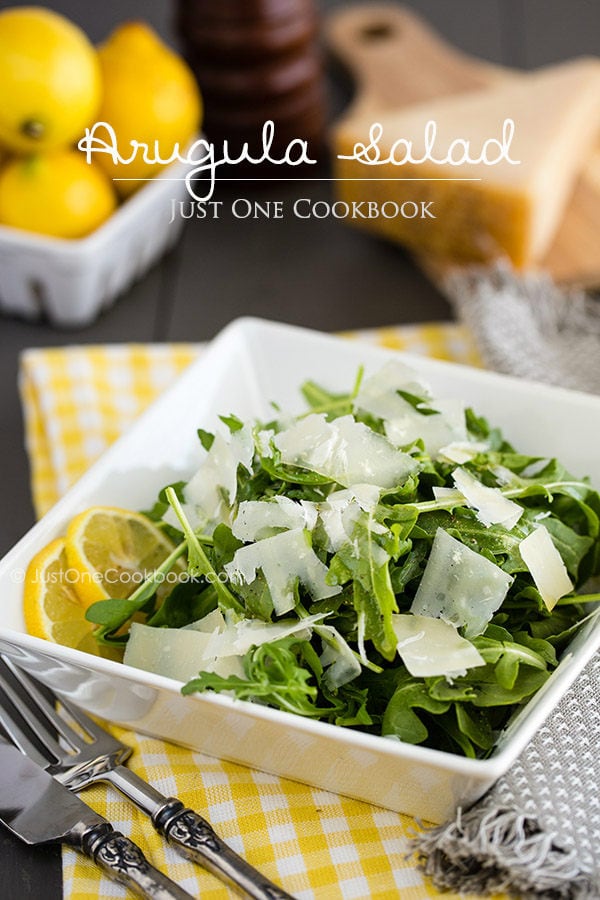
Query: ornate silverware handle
124	862
197	840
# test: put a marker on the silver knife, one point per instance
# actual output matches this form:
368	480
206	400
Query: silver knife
39	810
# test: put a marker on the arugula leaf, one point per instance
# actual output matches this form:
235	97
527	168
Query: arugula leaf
572	547
419	404
400	718
189	601
489	692
475	725
493	541
233	423
481	430
207	438
161	505
367	563
334	405
275	674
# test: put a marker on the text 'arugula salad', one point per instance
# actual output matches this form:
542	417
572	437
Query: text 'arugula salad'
383	561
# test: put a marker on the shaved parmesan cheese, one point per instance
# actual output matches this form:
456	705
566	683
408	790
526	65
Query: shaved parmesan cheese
378	394
403	423
213	621
447	424
263	440
283	559
240	636
546	566
491	504
342	510
366	495
431	647
346	451
460	586
253	633
219	470
340	662
177	653
504	475
212	490
462	451
338	517
208	645
257	519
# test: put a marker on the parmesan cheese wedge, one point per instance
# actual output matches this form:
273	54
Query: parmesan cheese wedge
460	586
239	637
178	653
379	396
258	519
509	209
430	647
210	493
546	566
284	559
378	393
341	511
463	451
342	665
493	508
346	451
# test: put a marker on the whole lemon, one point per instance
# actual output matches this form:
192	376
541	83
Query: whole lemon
150	96
49	80
58	194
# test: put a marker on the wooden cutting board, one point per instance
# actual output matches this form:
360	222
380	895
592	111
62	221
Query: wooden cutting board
397	60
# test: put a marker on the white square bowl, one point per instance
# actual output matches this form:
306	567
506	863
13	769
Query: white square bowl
249	364
70	282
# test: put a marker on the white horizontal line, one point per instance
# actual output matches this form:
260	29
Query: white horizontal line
306	179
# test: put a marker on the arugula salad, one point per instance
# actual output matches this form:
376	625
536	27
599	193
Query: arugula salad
384	561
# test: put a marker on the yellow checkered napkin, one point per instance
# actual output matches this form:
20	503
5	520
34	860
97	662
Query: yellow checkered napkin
316	844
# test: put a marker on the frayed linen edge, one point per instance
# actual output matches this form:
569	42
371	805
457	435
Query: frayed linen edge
488	851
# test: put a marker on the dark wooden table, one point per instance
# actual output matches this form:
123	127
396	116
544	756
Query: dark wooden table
316	273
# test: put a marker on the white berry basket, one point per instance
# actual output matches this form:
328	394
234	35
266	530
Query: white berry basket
69	282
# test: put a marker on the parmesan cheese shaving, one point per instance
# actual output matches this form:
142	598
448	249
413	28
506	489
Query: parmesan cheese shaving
402	422
283	559
378	394
263	440
212	621
460	586
342	510
430	647
258	519
178	653
342	665
338	517
546	566
239	637
493	508
462	451
444	426
346	451
211	492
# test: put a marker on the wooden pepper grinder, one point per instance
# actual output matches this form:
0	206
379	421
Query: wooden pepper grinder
256	60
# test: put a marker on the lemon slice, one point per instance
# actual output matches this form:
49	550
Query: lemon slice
112	551
51	606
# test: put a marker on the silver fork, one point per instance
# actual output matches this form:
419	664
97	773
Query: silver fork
79	756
